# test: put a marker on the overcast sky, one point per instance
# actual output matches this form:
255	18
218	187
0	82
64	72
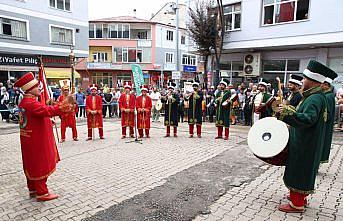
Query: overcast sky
113	8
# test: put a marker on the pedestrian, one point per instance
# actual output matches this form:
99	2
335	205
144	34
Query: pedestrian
211	109
39	151
330	98
107	102
306	137
18	97
171	101
195	109
114	103
155	97
223	110
80	100
67	119
127	102
247	107
143	106
4	101
181	109
94	113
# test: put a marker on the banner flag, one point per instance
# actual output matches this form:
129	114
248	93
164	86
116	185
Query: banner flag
137	77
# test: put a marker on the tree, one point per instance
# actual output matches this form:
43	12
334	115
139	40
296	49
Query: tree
202	29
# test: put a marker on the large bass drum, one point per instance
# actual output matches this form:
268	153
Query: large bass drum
158	105
268	139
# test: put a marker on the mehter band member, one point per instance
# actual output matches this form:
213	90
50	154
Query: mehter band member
94	113
306	137
38	146
171	101
127	102
143	106
195	109
223	109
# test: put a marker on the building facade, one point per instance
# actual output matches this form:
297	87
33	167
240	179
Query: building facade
47	28
270	38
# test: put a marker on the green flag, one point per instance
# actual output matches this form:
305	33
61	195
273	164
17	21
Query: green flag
137	77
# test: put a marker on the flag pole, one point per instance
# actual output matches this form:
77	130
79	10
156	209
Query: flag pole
46	95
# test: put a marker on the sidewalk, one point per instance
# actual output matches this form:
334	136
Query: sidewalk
259	199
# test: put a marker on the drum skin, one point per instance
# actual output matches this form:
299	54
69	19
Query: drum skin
268	140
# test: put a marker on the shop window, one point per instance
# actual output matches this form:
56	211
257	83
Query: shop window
232	16
10	28
280	68
280	11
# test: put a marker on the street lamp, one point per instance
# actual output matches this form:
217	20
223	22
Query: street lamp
72	59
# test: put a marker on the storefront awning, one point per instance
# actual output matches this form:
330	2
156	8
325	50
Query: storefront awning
60	73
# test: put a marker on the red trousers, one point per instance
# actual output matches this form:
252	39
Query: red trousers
63	131
101	132
191	129
37	186
168	130
123	131
140	132
298	199
220	132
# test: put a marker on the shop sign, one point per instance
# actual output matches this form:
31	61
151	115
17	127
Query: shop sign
56	61
176	75
18	60
188	68
99	65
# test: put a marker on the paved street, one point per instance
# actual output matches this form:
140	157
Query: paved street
161	179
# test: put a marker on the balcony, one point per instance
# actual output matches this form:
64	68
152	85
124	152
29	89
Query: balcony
144	43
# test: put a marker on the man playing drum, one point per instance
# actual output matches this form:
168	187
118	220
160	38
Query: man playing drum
294	85
307	133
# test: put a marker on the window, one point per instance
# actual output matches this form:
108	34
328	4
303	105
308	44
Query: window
188	59
169	57
60	4
170	35
232	17
117	55
183	40
61	35
142	35
10	28
91	30
100	57
109	31
280	68
280	11
134	55
102	79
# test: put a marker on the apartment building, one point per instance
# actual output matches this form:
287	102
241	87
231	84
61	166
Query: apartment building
270	38
47	28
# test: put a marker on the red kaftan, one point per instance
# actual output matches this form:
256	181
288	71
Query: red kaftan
127	102
94	103
39	151
143	117
68	119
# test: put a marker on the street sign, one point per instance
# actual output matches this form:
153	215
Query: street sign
176	75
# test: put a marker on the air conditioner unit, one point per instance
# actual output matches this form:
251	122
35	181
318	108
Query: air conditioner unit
252	64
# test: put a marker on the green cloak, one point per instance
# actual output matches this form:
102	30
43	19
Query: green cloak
223	113
306	140
330	97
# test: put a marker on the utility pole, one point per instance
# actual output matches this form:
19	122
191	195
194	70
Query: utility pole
177	42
